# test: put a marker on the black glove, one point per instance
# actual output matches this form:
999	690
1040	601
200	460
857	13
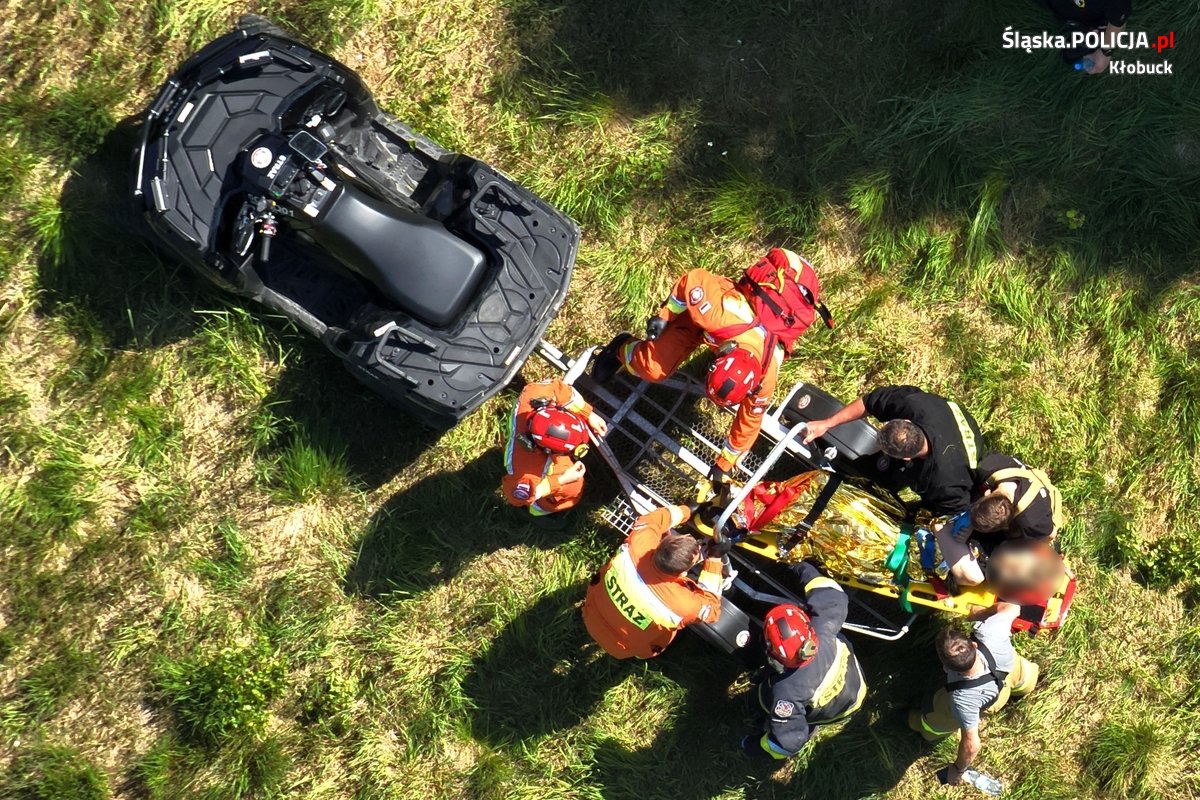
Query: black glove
693	507
719	546
654	328
718	475
759	675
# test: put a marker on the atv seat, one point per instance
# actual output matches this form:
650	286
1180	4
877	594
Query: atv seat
856	442
414	261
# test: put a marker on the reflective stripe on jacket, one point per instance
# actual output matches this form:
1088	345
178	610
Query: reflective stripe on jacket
634	609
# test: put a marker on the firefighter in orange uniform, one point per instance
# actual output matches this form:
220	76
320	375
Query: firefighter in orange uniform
547	435
642	597
706	309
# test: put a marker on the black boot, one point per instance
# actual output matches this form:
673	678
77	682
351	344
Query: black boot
607	363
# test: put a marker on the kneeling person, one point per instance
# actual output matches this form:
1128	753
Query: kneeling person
643	596
1014	502
982	672
710	310
817	679
547	435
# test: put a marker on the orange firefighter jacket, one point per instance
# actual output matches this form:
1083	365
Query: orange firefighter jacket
634	609
534	478
712	302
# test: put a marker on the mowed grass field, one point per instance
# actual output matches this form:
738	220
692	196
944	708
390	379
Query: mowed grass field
228	571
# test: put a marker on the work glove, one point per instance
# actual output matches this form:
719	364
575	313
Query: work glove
654	328
960	526
718	476
719	546
759	675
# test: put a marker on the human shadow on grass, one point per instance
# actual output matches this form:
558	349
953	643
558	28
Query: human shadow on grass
424	534
542	676
903	113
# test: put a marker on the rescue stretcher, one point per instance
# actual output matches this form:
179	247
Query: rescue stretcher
661	445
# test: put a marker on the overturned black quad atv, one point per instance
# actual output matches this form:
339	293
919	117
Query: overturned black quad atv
270	169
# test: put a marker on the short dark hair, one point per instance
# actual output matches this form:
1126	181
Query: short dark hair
901	438
676	553
991	513
955	650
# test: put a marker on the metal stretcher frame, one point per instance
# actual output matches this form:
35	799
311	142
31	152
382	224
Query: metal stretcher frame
624	418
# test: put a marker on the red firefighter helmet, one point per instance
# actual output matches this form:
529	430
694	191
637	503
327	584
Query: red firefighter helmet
735	374
557	430
789	637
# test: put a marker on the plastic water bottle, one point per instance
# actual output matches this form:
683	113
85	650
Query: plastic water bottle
1085	64
984	783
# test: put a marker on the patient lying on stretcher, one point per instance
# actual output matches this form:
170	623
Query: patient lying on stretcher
858	535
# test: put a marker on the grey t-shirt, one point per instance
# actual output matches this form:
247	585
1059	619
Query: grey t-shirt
995	632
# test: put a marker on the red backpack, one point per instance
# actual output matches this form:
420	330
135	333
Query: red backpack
785	295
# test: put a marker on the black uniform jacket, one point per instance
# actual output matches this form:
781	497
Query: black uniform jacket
1035	522
826	689
944	478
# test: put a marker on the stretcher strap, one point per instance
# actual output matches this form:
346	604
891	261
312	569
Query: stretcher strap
797	534
897	563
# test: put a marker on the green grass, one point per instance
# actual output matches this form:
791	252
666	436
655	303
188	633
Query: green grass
231	572
219	695
1121	757
56	773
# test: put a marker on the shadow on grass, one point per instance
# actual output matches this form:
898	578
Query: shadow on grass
424	534
320	399
98	263
905	112
542	677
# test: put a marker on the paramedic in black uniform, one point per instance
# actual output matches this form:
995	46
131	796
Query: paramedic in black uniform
938	440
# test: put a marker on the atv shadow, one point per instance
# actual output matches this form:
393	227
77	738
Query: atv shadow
806	101
103	262
320	400
423	535
542	677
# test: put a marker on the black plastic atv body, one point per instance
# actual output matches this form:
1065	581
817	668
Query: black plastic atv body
269	168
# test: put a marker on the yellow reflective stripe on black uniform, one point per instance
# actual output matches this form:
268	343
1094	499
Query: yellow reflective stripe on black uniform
858	701
835	679
769	747
968	435
1031	492
821	582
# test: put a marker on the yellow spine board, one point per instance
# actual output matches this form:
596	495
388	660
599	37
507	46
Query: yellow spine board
852	540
